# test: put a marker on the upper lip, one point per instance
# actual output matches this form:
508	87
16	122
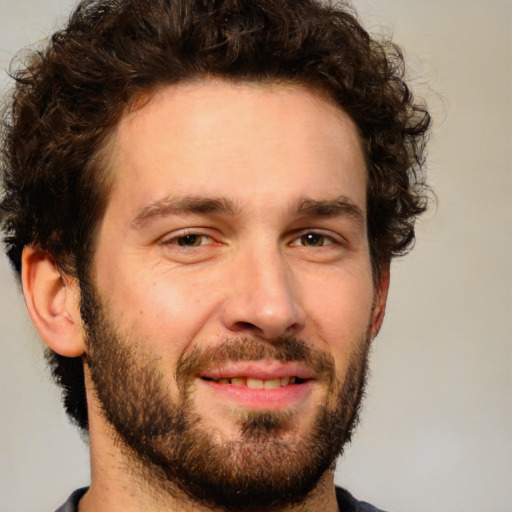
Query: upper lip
266	369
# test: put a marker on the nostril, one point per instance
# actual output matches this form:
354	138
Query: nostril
242	326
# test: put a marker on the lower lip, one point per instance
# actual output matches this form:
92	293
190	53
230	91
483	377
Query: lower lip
260	399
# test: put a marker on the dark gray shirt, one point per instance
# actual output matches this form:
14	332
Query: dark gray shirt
346	502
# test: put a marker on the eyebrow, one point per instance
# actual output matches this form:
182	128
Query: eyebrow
340	206
192	204
182	206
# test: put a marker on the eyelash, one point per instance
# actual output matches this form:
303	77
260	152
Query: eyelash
175	240
330	239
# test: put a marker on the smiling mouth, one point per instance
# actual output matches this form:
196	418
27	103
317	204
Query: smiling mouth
252	383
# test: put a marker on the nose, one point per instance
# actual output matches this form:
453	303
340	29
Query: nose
262	297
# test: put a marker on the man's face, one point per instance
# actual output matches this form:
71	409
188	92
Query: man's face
234	285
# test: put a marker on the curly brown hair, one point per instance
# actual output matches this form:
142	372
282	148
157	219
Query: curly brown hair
70	96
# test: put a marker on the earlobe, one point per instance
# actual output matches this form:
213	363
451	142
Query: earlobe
52	300
381	296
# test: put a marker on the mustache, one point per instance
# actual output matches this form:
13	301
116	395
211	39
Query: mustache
283	349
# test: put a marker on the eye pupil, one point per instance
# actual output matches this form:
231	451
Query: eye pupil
312	239
189	240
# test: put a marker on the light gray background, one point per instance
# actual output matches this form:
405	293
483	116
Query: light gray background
436	434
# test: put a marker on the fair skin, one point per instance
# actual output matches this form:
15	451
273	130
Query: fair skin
236	210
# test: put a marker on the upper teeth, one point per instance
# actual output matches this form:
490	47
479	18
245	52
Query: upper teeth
258	383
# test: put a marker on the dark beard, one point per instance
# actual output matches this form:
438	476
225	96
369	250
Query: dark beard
172	448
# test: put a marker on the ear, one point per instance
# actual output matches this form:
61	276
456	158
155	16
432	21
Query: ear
53	300
381	297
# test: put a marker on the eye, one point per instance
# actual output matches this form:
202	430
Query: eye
192	245
189	240
313	239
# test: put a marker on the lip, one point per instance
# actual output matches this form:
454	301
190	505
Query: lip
265	369
259	399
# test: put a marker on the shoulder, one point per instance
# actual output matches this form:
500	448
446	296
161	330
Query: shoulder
71	504
347	503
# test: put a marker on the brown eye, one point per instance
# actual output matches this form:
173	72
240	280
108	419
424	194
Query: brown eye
314	240
190	240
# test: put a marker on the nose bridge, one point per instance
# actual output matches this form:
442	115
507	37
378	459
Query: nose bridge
264	296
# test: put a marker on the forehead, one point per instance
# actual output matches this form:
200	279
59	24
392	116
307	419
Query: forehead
250	141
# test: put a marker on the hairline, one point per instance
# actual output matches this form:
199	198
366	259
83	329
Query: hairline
101	165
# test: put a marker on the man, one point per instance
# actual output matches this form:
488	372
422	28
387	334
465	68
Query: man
202	200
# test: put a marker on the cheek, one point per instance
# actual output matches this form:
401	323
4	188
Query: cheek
162	317
164	308
340	309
